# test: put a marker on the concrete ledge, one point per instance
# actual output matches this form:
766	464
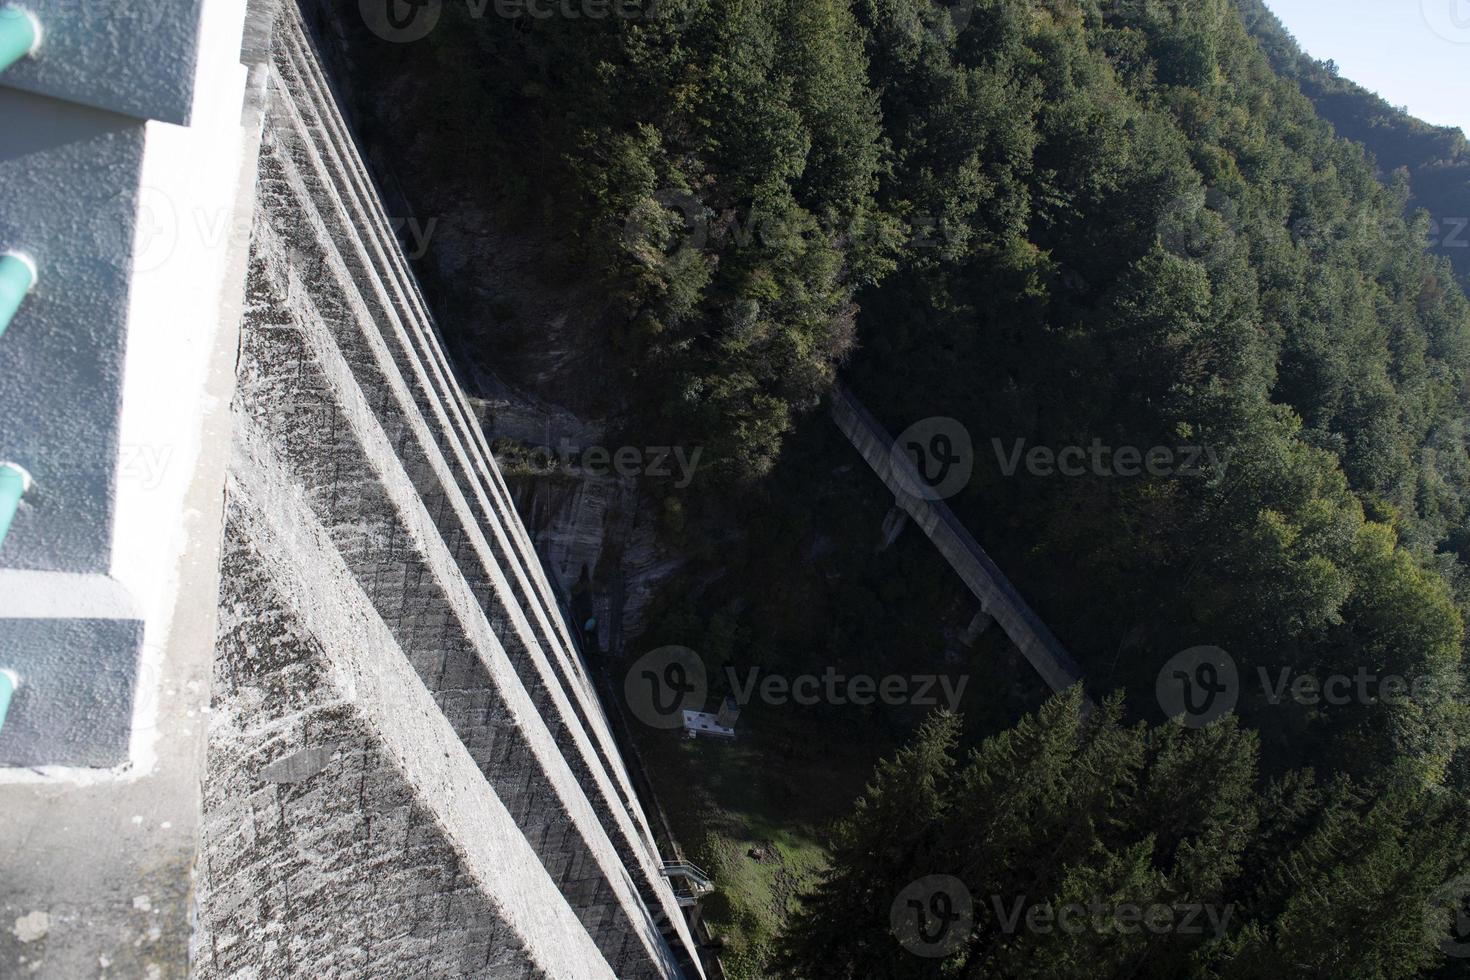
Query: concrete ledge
74	705
63	595
348	831
336	226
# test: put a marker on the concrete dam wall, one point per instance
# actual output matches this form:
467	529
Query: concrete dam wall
408	768
331	720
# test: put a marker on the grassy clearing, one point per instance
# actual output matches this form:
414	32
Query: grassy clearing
752	811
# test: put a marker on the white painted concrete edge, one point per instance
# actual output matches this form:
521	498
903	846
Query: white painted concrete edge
189	253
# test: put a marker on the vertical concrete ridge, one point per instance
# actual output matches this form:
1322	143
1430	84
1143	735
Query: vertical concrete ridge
336	128
421	343
428	349
348	832
588	711
370	526
372	368
296	390
337	140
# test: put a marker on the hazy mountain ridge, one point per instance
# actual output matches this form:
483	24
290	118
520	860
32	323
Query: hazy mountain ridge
1437	158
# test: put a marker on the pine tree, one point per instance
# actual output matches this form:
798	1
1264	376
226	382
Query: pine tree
843	930
1362	892
1093	848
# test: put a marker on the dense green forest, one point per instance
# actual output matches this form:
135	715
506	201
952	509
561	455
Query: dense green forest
1435	159
1057	221
1299	879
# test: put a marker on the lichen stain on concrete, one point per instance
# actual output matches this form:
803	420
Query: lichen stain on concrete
29	928
299	766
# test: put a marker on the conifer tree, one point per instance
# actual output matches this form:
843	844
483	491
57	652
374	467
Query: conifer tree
842	930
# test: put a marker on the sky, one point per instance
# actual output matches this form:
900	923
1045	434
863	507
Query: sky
1414	53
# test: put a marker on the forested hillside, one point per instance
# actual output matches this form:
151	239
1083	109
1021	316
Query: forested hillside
1165	251
1436	158
1066	222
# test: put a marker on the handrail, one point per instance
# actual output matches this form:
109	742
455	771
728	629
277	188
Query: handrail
20	34
9	681
15	483
690	872
18	276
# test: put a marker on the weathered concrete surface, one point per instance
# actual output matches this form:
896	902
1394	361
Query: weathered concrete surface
96	866
367	248
137	59
377	507
998	597
348	832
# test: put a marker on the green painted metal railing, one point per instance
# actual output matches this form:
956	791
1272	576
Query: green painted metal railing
20	34
14	482
17	278
8	683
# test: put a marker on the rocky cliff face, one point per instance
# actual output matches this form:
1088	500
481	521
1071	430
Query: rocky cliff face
596	532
